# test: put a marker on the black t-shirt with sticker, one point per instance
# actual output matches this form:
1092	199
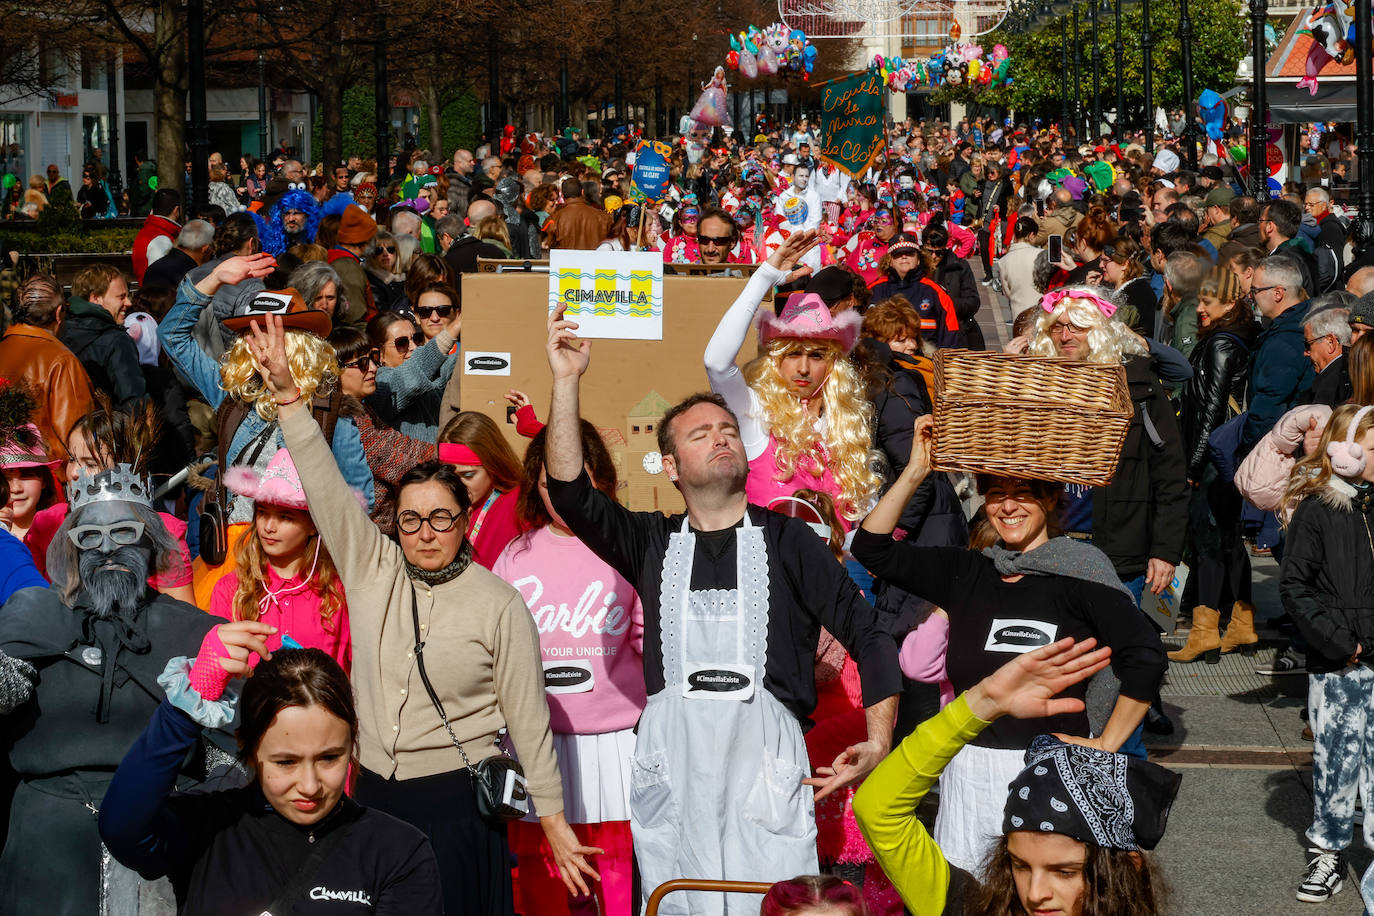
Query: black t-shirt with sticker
991	621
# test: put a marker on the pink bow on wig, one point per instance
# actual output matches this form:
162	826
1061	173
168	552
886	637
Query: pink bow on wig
1051	300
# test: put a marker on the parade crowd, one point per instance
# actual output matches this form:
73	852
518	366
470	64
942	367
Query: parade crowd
286	628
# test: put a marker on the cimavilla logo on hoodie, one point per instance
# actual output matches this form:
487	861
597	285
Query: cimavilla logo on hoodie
324	893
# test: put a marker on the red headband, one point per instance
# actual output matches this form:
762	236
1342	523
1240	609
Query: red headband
456	453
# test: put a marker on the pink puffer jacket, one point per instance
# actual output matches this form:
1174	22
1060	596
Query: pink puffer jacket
1262	477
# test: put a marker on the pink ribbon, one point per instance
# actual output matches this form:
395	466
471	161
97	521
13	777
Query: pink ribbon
1051	301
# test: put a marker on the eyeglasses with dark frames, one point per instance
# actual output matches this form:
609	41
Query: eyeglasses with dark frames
439	521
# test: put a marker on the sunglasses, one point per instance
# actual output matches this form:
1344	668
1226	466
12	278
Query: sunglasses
389	249
402	344
721	241
428	311
1307	344
366	361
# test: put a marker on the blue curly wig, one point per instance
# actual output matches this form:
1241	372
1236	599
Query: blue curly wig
274	238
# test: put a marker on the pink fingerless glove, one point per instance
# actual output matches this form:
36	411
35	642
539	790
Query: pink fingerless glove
208	677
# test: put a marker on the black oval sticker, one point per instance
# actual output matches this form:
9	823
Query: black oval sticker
486	363
566	676
1021	636
716	680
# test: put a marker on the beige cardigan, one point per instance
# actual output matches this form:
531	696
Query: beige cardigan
481	645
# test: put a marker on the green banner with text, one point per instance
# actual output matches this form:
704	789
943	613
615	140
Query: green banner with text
852	122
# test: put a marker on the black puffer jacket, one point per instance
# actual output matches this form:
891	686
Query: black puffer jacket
1143	512
1221	370
1327	578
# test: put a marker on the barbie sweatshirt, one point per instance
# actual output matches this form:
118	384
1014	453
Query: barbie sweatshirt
591	631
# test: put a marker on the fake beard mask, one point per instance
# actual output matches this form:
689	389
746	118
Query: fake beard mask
113	583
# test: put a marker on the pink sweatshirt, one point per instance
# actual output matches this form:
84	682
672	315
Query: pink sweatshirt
591	631
296	614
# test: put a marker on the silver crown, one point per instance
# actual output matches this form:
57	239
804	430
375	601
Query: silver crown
119	484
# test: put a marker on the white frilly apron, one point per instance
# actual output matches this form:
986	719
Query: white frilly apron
716	780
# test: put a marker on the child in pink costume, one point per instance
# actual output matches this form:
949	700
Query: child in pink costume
283	575
591	637
804	419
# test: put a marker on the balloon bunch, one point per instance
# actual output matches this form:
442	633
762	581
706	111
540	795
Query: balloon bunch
771	50
956	65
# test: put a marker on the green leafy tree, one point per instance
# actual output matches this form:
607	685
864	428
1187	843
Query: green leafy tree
1219	42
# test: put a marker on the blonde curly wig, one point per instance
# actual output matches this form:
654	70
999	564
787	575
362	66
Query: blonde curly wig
848	412
313	367
1109	341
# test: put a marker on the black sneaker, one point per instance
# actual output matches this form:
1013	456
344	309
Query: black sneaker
1285	662
1323	878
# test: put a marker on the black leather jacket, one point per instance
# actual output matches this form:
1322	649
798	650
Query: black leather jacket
1221	371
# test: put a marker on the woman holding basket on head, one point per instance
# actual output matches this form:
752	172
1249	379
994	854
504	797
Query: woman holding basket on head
1026	588
428	732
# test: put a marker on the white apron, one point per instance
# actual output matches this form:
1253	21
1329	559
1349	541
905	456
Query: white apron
716	780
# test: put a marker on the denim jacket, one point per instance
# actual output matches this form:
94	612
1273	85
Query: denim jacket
175	333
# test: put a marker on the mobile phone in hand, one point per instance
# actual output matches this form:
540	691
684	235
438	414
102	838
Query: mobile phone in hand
1055	249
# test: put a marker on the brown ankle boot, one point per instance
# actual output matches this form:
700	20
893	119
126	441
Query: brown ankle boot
1240	634
1203	640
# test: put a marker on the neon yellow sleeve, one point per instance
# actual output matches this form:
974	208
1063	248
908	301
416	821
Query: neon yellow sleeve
886	807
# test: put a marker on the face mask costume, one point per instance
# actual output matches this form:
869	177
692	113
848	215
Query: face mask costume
79	664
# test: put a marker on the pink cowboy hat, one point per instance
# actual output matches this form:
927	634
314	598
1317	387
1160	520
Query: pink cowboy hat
278	485
807	317
23	448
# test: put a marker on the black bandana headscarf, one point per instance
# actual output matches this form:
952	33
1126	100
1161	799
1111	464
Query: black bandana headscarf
1110	800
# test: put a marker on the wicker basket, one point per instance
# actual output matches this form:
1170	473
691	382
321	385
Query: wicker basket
1029	416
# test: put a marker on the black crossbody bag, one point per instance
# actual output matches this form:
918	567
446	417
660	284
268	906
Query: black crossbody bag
499	781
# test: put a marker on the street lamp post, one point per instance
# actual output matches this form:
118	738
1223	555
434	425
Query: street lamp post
382	107
564	106
262	106
1185	37
200	129
1064	66
1097	78
112	139
494	92
1259	160
1364	120
1147	51
1077	77
1118	50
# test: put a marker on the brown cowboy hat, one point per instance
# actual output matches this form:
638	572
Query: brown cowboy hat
287	303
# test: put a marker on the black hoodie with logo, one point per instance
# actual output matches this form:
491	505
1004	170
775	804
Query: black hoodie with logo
230	853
